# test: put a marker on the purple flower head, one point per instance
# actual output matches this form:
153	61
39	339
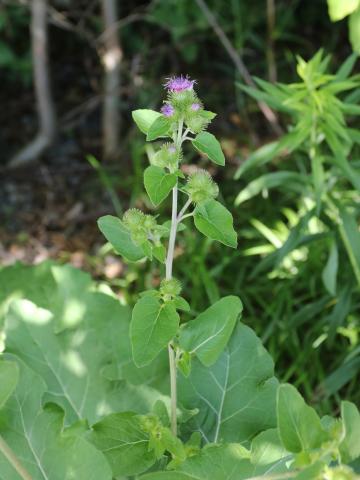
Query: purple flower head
195	107
179	84
167	110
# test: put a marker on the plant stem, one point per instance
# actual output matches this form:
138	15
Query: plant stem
13	460
168	267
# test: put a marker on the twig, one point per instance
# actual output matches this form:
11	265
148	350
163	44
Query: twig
111	59
45	105
239	64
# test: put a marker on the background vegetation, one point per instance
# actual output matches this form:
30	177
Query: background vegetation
297	268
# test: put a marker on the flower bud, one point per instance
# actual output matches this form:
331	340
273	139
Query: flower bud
167	157
200	186
149	223
196	123
133	218
171	287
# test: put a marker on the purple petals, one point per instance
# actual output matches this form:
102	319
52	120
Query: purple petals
195	107
167	110
179	84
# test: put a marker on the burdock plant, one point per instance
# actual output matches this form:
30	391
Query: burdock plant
155	323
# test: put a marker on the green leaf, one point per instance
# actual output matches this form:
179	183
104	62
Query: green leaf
207	144
159	128
346	67
288	180
350	235
181	304
219	462
339	9
144	119
354	30
299	425
124	443
208	334
167	476
216	222
36	436
119	236
71	363
71	284
158	183
350	445
9	376
268	453
235	396
329	273
159	252
207	115
153	325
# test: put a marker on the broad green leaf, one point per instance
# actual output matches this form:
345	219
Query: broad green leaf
235	396
159	128
216	222
9	376
153	325
144	119
35	283
329	273
350	444
158	183
299	425
218	462
124	443
288	180
36	436
69	303
206	143
72	362
339	9
119	236
266	450
207	335
168	476
354	30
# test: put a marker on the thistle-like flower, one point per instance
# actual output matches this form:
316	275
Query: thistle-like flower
179	84
170	287
167	110
195	107
201	187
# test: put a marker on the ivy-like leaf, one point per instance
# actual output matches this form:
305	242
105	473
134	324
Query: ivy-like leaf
158	183
36	436
9	376
207	335
144	119
235	396
299	425
216	222
153	325
207	144
124	443
159	128
119	236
